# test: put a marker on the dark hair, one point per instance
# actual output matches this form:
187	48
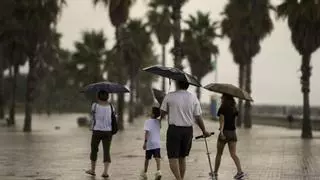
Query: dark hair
103	95
182	85
155	112
228	102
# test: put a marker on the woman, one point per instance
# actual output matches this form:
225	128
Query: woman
227	114
101	131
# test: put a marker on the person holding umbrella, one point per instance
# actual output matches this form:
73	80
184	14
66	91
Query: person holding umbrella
104	123
227	114
183	108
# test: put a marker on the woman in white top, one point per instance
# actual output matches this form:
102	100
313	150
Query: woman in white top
101	131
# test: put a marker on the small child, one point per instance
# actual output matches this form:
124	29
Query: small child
152	143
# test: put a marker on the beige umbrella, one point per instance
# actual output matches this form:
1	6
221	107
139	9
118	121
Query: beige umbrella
228	89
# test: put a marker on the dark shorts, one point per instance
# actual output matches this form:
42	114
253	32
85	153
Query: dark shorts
153	152
230	136
179	141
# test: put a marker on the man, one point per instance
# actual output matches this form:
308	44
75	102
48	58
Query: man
183	108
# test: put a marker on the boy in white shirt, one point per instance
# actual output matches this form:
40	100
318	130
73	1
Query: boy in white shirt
152	143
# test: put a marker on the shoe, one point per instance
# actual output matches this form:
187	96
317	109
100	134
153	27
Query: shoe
143	176
91	172
239	175
105	176
158	175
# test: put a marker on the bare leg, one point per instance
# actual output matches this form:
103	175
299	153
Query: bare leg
158	163
174	166
182	166
93	168
232	150
146	164
220	147
106	168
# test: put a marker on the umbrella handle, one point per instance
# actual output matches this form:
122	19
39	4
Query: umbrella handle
201	136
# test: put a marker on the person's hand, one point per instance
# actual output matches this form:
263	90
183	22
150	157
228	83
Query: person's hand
206	133
144	146
222	136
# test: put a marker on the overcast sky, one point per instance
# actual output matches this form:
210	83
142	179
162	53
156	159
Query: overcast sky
275	76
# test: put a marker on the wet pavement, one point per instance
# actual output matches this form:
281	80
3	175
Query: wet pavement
266	153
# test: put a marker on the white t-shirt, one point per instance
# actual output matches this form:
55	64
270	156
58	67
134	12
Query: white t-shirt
182	107
153	128
102	117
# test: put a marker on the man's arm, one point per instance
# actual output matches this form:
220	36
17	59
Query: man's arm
162	114
200	123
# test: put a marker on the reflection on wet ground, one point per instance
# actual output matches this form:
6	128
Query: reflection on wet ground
266	153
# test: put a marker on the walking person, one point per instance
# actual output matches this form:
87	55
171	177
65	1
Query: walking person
227	114
151	143
102	114
183	109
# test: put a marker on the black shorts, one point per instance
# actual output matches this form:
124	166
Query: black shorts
153	152
229	136
179	141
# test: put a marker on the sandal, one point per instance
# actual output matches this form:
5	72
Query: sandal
91	172
105	175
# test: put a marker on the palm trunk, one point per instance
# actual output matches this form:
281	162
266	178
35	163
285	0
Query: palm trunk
120	96
163	64
305	82
1	89
138	105
120	111
241	85
177	51
13	95
131	102
31	85
247	113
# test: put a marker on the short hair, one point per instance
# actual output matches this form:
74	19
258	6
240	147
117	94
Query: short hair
155	112
182	85
103	95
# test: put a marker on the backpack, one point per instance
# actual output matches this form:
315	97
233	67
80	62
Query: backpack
114	122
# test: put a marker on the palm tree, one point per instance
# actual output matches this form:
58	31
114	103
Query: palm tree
198	44
38	34
304	23
246	24
118	13
89	57
137	52
160	23
176	16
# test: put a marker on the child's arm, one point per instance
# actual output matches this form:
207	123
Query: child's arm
146	135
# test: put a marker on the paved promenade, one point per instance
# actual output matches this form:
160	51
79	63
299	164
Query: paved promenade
266	153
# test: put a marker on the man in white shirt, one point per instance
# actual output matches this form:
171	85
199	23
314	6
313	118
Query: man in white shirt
183	109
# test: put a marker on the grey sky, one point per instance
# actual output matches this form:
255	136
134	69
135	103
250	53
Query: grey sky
275	76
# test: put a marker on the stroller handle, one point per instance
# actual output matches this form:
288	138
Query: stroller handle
201	136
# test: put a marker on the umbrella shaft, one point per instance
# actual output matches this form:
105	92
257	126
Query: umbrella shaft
205	140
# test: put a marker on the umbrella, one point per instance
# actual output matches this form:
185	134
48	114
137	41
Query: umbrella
159	95
173	73
110	87
229	89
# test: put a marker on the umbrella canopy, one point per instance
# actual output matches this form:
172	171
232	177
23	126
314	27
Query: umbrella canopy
159	95
173	73
229	89
110	87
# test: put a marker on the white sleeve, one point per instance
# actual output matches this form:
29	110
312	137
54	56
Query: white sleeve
197	108
147	126
93	106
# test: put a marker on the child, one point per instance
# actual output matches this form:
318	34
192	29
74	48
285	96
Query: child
152	143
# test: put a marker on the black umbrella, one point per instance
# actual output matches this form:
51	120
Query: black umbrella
110	87
173	73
